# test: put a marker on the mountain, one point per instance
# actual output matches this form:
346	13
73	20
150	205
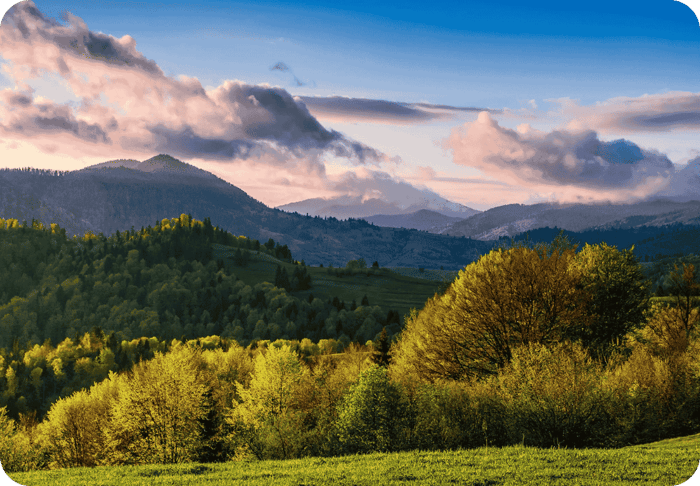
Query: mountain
513	219
356	207
424	220
121	194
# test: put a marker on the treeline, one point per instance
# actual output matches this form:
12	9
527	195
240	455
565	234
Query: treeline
41	172
215	403
32	380
651	243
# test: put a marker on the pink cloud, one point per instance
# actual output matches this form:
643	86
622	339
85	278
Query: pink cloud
565	165
128	105
673	111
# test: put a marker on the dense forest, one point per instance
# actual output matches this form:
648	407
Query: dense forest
161	282
141	347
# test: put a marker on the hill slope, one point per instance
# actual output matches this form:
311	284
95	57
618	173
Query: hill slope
120	194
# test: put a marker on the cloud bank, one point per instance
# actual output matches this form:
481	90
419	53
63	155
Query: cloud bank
572	164
672	111
350	110
128	104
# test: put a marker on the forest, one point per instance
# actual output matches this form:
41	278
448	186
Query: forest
142	347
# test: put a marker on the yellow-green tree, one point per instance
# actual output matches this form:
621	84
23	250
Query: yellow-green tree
507	298
75	431
619	295
157	419
268	419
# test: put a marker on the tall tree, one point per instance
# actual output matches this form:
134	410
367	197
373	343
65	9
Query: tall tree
381	354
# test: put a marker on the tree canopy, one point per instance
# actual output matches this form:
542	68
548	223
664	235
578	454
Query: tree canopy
521	295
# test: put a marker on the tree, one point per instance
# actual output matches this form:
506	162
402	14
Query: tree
685	288
158	416
669	328
268	419
282	278
619	296
381	355
509	297
371	416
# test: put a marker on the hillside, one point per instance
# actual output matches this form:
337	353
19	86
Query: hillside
120	194
424	220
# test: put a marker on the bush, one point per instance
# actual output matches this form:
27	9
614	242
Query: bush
552	397
17	451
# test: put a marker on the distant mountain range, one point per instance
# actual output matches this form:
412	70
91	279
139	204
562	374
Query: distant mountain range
119	194
344	207
513	219
424	220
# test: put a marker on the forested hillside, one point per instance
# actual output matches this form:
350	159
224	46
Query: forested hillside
160	281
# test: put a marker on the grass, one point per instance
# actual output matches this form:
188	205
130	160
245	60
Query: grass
399	290
667	463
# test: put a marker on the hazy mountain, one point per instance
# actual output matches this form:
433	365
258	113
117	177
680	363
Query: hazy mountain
117	195
344	207
512	219
424	220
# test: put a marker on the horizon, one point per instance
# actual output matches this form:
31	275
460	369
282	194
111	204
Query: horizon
472	103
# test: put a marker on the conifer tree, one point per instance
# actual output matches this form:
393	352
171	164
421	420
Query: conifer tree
381	354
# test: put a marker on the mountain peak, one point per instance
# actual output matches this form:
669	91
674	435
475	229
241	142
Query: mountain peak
163	162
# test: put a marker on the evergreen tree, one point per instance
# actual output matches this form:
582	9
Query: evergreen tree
381	354
282	278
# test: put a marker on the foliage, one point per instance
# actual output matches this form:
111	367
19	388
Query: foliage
553	397
619	293
74	433
268	418
17	449
371	416
509	297
156	417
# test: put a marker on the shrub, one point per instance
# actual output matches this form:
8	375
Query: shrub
552	396
17	451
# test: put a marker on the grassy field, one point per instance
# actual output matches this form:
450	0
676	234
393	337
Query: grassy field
667	463
399	290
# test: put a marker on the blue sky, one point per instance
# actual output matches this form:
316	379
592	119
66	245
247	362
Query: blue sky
596	67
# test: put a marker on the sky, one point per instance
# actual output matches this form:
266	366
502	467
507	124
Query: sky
483	103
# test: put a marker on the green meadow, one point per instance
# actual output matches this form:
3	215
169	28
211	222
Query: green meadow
665	463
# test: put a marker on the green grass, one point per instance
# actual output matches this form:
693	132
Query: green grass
399	290
666	463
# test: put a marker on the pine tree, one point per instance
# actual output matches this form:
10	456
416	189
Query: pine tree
381	354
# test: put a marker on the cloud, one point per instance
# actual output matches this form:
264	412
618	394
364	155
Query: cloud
648	113
563	161
282	67
349	110
127	103
30	118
